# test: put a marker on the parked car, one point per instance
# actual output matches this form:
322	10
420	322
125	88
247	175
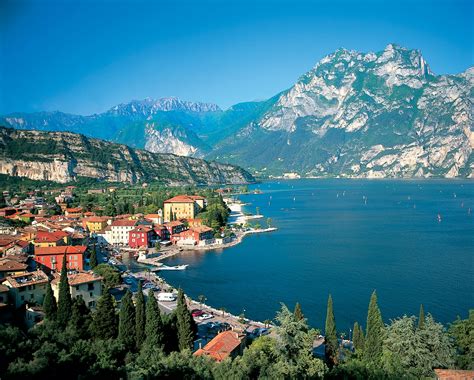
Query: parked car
128	280
205	316
261	331
196	312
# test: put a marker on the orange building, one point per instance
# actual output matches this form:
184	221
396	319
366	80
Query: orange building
224	345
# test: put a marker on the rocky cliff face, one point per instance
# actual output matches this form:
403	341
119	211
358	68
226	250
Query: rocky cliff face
62	157
354	114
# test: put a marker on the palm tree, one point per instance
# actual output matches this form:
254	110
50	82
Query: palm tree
223	309
202	298
267	323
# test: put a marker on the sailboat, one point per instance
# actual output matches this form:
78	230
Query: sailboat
439	218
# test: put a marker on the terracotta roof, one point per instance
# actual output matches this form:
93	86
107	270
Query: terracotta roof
201	229
20	280
7	265
173	223
3	288
60	250
44	236
152	216
221	346
184	199
96	219
123	223
74	210
454	374
141	229
78	278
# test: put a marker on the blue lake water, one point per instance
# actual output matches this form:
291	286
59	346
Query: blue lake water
331	239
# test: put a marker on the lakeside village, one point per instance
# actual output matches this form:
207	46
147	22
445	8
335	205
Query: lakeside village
34	245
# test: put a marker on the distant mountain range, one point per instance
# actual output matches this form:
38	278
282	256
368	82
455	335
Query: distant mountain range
65	156
354	114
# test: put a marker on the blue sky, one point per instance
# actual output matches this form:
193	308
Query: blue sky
86	56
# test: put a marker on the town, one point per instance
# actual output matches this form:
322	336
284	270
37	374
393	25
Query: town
44	233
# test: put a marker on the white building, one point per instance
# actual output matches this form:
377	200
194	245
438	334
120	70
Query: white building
27	287
117	232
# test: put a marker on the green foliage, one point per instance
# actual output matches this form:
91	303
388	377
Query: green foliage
127	326
80	318
358	338
462	331
375	332
216	213
298	312
154	324
421	318
416	351
64	297
332	349
185	323
110	275
104	321
140	318
93	258
50	307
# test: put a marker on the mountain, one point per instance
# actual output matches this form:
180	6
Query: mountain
353	114
64	156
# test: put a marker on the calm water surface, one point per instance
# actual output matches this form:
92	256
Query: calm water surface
347	238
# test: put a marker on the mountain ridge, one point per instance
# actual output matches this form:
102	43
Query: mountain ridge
383	114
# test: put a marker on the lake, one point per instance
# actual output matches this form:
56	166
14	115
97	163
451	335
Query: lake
347	238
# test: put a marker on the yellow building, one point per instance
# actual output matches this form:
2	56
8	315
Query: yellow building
183	207
95	223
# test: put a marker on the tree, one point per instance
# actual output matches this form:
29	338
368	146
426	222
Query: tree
421	318
64	297
269	222
104	321
185	323
127	327
462	331
110	275
294	347
154	325
50	307
375	332
80	317
358	338
298	312
331	334
140	317
93	258
416	351
201	298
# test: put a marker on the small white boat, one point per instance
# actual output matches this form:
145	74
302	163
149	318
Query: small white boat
176	267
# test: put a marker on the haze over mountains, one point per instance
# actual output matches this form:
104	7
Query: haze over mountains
381	114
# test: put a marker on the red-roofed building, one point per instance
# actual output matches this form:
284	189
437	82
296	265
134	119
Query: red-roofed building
52	257
183	207
74	212
118	232
224	345
51	239
141	236
453	374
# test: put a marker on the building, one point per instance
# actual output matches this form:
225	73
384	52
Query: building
155	218
183	207
453	374
141	236
194	235
223	345
174	227
51	239
86	285
118	231
27	287
74	212
33	315
52	257
11	267
95	223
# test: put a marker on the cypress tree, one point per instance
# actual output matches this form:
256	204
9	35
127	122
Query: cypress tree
331	335
127	327
140	317
298	313
421	318
355	336
93	258
50	307
185	323
64	298
375	332
104	322
80	317
153	325
361	338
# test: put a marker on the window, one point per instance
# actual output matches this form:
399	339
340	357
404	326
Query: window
77	287
32	296
91	294
90	286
